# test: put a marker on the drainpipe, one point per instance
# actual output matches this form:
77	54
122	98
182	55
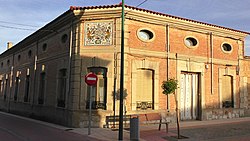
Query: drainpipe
168	51
34	73
212	65
115	74
114	93
69	63
176	66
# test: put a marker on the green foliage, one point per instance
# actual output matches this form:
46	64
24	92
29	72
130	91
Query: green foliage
169	86
118	92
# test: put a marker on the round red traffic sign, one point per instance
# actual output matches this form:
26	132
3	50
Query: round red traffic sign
91	78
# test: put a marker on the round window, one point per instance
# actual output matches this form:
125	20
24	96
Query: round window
190	42
145	35
226	47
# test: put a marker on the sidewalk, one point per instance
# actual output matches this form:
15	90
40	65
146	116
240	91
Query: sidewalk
150	132
194	130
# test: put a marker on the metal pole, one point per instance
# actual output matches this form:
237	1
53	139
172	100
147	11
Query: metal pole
121	76
90	108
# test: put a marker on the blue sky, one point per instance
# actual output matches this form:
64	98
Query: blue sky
20	18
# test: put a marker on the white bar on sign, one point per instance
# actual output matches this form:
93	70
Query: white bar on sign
91	78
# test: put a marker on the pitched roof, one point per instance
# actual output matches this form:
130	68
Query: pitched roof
153	12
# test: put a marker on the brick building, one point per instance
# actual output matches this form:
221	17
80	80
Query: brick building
43	75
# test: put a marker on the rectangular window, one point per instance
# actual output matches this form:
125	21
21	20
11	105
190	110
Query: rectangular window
16	88
41	88
62	79
27	88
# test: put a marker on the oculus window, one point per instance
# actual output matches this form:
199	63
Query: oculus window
145	35
191	42
226	48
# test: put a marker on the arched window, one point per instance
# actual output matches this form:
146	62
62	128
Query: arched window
16	87
99	91
145	89
42	88
227	91
27	88
62	83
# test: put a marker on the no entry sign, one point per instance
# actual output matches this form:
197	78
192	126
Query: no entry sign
91	78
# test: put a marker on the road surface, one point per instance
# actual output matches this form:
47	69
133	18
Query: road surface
13	128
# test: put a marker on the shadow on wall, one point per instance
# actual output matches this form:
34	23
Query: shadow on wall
232	107
100	94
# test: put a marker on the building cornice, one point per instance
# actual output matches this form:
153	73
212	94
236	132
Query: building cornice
153	17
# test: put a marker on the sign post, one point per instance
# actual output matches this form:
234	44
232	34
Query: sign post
90	79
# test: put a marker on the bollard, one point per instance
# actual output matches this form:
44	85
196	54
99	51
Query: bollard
134	129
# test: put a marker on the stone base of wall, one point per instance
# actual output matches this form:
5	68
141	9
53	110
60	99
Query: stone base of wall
80	118
209	114
225	113
98	118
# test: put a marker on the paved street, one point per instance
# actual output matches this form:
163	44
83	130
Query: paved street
13	128
16	128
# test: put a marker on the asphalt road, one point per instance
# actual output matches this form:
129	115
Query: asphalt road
13	128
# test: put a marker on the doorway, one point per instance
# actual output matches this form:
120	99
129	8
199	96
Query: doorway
190	99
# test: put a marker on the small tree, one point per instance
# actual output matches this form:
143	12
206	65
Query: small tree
169	87
117	94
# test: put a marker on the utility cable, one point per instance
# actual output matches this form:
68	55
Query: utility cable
141	3
18	24
11	27
137	6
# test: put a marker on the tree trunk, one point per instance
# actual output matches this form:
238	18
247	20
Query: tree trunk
177	117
